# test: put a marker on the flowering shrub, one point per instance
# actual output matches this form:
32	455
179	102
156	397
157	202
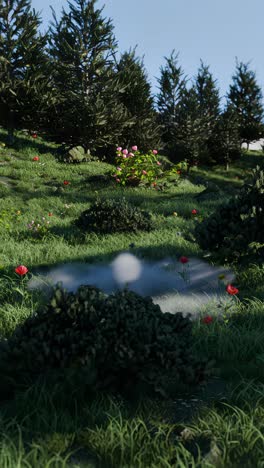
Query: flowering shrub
136	168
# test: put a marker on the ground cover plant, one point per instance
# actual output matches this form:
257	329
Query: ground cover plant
51	422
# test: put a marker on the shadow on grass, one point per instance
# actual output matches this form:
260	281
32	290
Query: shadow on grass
23	142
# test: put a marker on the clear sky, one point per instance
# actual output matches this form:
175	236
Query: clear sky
215	30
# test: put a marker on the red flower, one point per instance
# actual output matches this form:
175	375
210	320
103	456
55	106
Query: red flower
34	135
194	212
207	319
184	259
21	270
232	290
66	182
50	214
36	158
178	172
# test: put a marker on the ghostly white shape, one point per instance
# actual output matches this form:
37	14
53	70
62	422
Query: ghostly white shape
126	268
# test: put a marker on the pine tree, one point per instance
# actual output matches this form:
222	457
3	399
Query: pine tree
208	101
82	47
137	98
192	128
226	137
23	82
207	92
246	98
172	84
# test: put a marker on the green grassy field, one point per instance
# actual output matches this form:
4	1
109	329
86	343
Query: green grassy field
220	425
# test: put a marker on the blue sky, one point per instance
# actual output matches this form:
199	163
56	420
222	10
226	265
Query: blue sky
215	30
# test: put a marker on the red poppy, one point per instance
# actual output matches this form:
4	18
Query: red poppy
36	158
184	259
232	290
66	182
21	270
34	135
207	319
194	212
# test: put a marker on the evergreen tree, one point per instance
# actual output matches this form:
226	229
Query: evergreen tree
23	61
226	138
207	93
208	101
246	98
137	98
82	47
192	128
172	84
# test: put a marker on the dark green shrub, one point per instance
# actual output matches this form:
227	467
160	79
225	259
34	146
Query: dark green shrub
107	216
123	343
236	229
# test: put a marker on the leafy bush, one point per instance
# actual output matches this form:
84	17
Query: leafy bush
135	168
236	229
123	342
107	216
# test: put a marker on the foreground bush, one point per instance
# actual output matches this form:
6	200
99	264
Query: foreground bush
107	216
122	343
236	230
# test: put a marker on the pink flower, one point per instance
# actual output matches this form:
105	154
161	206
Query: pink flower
131	154
125	151
119	148
144	172
134	148
119	169
155	152
21	270
117	180
158	163
124	156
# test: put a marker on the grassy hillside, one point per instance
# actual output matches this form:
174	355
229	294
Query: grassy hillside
220	425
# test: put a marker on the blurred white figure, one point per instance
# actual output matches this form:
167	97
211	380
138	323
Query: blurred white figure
126	268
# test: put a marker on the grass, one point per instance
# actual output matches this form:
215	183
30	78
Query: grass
219	425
